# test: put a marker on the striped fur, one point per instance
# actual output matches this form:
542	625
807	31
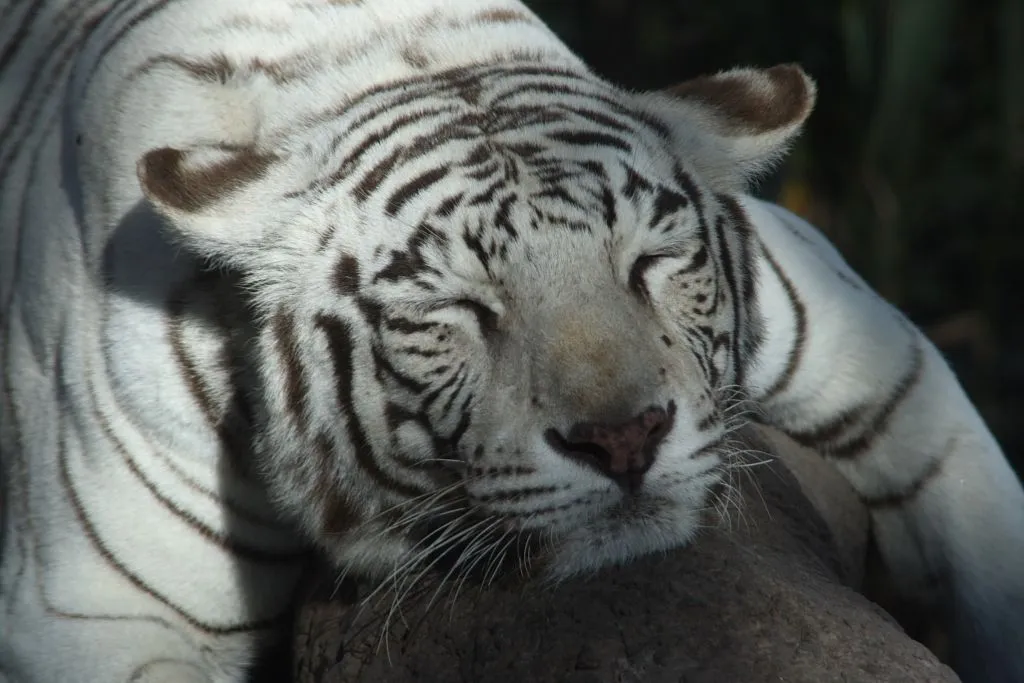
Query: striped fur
281	274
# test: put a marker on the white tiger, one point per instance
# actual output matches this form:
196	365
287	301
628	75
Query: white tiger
387	275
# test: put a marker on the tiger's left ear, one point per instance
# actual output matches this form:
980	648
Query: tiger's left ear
738	123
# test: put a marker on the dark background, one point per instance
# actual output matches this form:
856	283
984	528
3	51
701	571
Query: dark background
912	163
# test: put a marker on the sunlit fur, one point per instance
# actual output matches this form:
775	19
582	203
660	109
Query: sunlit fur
282	274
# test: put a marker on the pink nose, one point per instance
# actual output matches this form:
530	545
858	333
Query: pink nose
623	452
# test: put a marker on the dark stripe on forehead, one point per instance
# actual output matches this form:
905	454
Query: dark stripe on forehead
346	275
590	139
505	81
447	206
376	175
409	190
602	119
563	89
475	245
447	82
368	142
635	184
420	146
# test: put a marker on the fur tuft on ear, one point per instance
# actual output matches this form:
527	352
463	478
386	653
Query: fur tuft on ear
753	101
740	121
202	192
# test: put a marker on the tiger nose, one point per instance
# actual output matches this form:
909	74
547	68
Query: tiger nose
623	452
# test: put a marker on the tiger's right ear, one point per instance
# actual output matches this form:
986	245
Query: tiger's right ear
207	194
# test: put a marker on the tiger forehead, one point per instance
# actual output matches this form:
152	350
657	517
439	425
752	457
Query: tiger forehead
475	117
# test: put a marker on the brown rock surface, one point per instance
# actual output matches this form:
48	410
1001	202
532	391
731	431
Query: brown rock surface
766	599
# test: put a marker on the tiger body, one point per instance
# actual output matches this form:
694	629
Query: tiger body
444	257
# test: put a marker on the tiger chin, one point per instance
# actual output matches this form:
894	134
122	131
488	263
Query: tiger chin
407	282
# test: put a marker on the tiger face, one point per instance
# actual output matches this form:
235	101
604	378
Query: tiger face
500	311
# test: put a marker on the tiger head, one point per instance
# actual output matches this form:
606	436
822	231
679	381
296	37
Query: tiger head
494	305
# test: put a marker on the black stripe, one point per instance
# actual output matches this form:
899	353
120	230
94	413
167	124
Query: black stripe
534	88
385	368
465	419
347	275
34	96
296	385
750	330
339	339
830	430
372	180
185	478
189	370
558	192
118	36
447	207
635	184
454	393
406	326
697	261
502	216
880	423
350	161
487	195
408	191
666	203
27	18
599	117
796	352
590	139
456	376
607	199
735	293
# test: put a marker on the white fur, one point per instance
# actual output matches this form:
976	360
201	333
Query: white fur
95	397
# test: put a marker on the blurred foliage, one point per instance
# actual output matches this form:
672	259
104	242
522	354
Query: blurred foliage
913	162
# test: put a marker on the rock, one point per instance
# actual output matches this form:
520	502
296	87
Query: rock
769	597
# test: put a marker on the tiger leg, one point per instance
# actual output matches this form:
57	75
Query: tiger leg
80	603
64	616
841	370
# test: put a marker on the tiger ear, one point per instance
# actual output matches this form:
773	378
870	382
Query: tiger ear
746	117
206	193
